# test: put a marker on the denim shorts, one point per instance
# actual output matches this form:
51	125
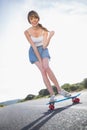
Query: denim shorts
44	53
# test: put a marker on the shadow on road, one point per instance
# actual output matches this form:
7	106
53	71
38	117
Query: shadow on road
38	123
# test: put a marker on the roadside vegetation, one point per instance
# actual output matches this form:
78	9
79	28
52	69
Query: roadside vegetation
1	105
68	87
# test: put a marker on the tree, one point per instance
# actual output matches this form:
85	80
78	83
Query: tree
66	87
29	97
85	83
43	92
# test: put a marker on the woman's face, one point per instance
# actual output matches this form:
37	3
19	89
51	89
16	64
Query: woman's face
34	21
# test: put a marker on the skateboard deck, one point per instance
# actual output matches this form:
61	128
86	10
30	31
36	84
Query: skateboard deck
74	99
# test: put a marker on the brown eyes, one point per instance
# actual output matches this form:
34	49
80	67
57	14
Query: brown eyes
33	18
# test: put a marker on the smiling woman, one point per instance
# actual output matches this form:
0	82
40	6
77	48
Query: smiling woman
39	40
68	48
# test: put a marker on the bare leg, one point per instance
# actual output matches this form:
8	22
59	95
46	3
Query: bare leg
53	78
50	73
45	78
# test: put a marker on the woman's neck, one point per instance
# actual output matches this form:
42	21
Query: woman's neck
35	27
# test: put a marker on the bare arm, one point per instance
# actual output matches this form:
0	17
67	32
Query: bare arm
47	38
33	45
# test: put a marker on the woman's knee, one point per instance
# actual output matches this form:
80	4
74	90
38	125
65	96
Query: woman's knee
46	68
45	64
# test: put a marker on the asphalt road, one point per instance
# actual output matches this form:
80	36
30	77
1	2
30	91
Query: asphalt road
35	115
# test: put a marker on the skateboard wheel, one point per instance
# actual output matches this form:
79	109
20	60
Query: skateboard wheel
76	100
51	106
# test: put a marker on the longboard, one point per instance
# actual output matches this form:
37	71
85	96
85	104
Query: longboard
73	97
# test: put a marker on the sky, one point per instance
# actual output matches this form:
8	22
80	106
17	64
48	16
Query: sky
68	18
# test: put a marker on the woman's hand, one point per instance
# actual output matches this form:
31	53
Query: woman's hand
51	33
47	38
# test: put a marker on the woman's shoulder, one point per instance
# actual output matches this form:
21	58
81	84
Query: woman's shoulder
28	30
45	32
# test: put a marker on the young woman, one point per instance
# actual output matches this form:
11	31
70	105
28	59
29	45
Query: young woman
39	38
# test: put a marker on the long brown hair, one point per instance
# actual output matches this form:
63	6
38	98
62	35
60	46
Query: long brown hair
33	13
